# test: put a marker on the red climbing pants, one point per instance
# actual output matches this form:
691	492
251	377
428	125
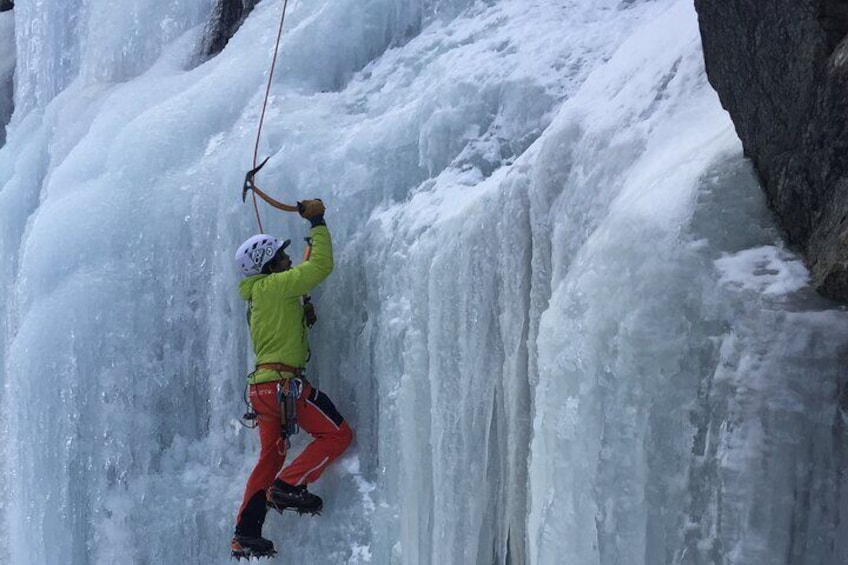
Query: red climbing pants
317	416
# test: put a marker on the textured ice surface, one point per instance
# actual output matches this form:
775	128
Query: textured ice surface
562	322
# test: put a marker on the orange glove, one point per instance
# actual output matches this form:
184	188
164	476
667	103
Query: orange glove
310	208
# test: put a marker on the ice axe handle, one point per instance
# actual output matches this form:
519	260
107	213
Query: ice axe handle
308	307
308	251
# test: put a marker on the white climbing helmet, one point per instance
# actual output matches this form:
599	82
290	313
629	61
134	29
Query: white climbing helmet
256	251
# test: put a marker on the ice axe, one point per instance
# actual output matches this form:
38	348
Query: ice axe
249	184
308	308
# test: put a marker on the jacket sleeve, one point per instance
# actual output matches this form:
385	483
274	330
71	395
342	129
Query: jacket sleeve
309	274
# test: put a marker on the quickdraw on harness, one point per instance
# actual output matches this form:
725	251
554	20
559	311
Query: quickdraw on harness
250	417
288	392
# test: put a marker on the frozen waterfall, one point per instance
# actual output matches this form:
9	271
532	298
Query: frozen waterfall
562	323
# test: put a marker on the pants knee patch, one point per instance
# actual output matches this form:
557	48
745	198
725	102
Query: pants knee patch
325	405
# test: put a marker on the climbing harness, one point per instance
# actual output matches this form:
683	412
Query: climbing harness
289	389
280	368
249	180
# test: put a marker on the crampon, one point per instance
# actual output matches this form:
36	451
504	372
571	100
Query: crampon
282	496
300	511
249	547
314	511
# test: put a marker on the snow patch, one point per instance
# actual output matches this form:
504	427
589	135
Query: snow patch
768	270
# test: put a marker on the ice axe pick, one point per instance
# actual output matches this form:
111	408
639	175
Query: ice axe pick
248	179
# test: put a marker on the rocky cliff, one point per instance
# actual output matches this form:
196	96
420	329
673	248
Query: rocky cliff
227	17
7	66
781	71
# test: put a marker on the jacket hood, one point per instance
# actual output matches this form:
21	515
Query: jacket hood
247	284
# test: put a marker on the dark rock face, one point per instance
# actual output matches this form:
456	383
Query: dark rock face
781	71
227	17
7	68
6	5
6	106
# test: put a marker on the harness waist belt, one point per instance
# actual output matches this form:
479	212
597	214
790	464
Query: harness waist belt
281	367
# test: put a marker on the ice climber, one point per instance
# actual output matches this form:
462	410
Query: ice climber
278	328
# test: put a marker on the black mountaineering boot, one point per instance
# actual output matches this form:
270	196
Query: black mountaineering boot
282	496
251	546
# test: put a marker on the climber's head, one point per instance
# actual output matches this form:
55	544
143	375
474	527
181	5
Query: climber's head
263	253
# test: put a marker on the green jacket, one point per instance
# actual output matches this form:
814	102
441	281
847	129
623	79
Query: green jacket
277	324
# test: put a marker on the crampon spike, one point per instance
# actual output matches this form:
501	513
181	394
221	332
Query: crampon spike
248	555
239	551
310	512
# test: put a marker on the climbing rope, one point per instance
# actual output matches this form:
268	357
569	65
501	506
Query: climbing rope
248	181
